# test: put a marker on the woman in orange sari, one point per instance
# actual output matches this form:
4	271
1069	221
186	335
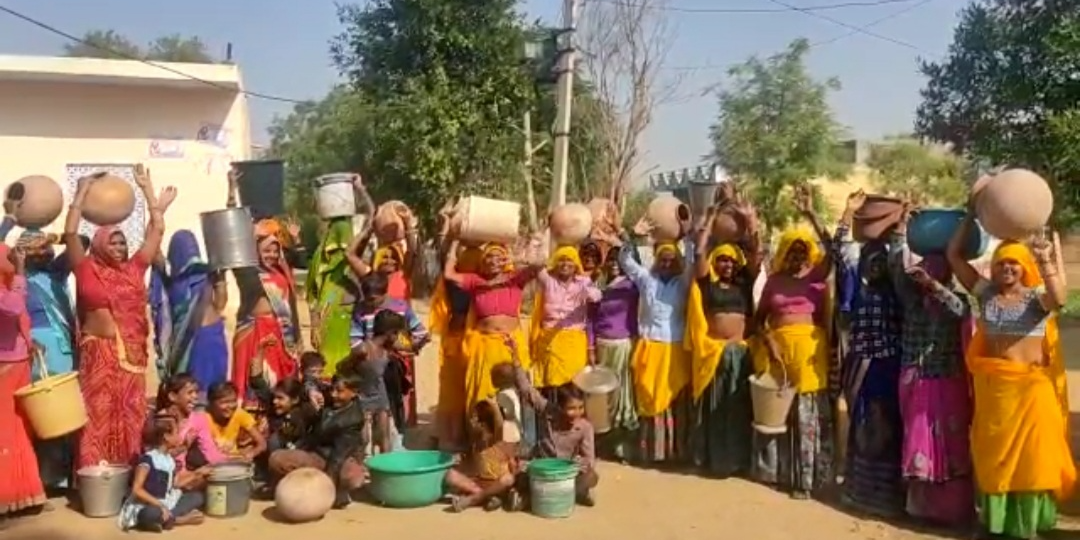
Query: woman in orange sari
111	302
20	485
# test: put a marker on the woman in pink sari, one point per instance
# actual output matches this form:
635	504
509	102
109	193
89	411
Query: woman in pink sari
20	485
111	306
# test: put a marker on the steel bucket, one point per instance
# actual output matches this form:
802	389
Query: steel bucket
229	236
702	195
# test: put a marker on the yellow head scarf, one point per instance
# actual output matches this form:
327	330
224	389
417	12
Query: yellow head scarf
672	247
802	234
728	250
493	248
1015	251
392	251
566	252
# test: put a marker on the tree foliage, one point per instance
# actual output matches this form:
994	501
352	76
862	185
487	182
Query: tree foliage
918	172
1007	93
112	45
448	80
775	130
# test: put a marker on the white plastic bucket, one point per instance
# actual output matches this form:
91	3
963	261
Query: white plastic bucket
334	195
480	219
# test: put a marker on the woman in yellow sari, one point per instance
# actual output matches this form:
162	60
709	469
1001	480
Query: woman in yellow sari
560	343
660	364
449	315
719	310
493	326
1020	447
793	315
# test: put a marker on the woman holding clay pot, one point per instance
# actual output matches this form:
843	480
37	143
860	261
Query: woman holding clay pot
111	302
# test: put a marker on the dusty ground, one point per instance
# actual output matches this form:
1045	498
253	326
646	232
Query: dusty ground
632	503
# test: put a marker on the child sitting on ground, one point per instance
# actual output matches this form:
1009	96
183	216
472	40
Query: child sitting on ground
488	470
334	442
564	432
234	430
291	415
157	501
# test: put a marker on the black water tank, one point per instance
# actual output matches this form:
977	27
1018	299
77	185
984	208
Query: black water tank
262	186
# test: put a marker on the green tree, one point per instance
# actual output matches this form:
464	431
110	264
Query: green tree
112	45
775	130
918	172
103	44
448	78
317	138
1006	93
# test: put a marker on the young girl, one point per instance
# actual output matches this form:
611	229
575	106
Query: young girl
291	416
565	433
176	398
157	501
488	470
230	425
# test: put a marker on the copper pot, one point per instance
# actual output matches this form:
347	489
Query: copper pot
388	224
109	200
878	215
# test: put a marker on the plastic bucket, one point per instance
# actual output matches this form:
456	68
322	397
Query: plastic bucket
408	478
552	484
771	401
334	195
261	186
228	490
479	219
53	405
102	489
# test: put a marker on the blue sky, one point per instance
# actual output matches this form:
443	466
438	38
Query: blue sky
282	48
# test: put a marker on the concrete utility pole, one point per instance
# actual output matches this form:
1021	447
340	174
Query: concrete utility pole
565	98
526	171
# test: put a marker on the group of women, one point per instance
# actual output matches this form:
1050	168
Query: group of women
956	399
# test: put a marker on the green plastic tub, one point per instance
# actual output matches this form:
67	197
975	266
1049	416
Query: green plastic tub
552	485
408	478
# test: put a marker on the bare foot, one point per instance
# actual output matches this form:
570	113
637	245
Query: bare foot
460	503
193	518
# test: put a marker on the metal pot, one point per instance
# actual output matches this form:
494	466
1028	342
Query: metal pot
229	236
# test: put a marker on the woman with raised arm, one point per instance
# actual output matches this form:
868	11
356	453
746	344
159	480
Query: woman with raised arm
794	317
495	290
186	300
52	327
20	485
1023	465
660	364
267	329
870	370
450	306
111	302
331	291
935	402
394	260
718	313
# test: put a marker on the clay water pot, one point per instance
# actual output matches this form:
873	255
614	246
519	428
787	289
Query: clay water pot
388	225
109	200
877	216
605	215
1014	204
40	201
570	224
304	495
727	226
669	216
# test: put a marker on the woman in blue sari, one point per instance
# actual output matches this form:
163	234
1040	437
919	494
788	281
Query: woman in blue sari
187	300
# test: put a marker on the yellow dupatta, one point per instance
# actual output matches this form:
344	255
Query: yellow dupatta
558	354
705	351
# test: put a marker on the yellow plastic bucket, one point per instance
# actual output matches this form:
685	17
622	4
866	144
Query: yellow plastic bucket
54	405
